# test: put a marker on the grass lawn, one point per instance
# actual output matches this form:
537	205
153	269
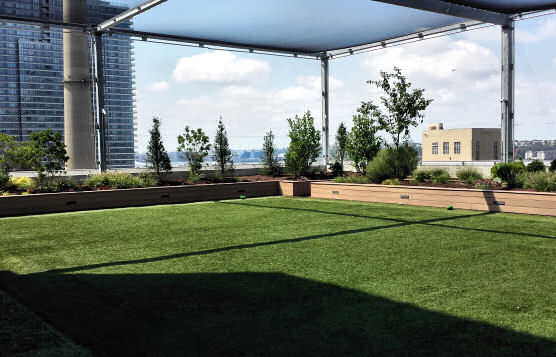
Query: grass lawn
283	276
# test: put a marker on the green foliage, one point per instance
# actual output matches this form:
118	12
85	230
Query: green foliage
21	183
440	178
337	169
194	144
404	108
363	142
58	184
222	152
553	165
339	149
422	175
8	158
392	163
469	174
390	182
149	180
535	165
157	157
269	159
359	179
510	173
44	153
304	145
541	181
116	180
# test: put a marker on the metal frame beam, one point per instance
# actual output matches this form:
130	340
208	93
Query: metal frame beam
325	113
126	15
508	85
447	8
100	100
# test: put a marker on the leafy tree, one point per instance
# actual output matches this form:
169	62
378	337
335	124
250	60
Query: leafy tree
44	153
404	108
8	157
363	143
304	144
222	152
269	159
157	157
340	147
194	144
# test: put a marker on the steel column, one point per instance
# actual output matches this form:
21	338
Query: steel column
99	90
325	116
508	83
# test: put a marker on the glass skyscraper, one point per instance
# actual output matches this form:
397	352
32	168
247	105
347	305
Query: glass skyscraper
31	73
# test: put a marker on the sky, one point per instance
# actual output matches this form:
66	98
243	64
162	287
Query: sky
255	93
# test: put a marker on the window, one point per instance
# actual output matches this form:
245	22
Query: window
457	147
435	148
445	148
496	150
477	150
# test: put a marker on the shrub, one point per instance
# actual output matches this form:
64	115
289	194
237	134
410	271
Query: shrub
304	145
390	182
58	185
21	183
553	165
540	181
469	174
441	178
115	180
269	160
194	144
337	169
510	173
392	163
149	180
45	153
421	175
535	166
352	179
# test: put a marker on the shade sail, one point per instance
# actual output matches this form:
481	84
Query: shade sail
301	26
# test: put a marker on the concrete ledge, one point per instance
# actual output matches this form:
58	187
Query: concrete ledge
79	201
541	203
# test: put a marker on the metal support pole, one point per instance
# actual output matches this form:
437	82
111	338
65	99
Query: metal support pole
508	83
101	110
325	116
79	129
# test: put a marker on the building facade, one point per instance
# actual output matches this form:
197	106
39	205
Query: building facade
473	144
31	73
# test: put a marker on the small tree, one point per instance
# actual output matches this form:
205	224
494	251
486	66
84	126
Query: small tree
157	157
222	152
340	146
8	157
269	159
44	153
194	144
404	108
304	144
363	143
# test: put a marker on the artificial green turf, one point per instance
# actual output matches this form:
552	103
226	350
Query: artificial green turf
288	276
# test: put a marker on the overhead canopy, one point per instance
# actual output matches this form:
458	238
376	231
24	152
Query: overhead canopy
296	26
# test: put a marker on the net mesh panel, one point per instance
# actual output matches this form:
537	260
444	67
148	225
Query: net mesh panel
194	86
460	72
535	112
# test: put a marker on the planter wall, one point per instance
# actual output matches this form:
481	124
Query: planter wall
77	201
485	200
295	188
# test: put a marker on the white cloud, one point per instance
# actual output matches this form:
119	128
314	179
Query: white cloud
220	67
159	86
545	31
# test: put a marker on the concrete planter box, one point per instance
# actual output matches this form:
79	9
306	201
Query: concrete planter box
78	201
540	203
295	188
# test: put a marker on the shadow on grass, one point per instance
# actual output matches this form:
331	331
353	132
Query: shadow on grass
249	313
431	222
399	223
